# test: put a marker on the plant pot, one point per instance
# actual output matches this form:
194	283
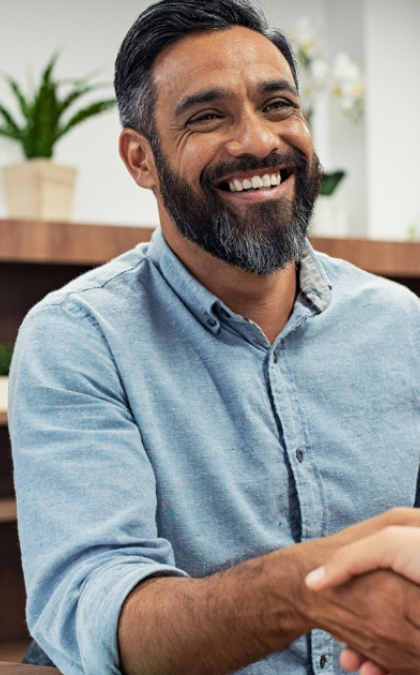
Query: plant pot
39	189
4	385
330	218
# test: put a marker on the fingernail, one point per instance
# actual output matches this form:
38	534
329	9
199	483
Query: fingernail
314	578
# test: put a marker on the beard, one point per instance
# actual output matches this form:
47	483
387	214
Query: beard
268	236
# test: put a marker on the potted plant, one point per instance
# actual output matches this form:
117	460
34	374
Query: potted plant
39	188
6	352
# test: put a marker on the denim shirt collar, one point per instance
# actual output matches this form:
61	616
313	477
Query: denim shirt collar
314	287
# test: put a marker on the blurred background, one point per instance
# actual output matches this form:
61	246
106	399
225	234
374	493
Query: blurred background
379	197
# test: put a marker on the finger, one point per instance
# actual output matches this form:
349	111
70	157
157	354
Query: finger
351	660
394	547
370	668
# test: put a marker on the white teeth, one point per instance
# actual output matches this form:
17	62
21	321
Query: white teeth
255	183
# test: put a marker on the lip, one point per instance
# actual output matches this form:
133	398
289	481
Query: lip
262	194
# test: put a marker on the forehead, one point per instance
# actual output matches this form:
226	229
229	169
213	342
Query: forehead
235	58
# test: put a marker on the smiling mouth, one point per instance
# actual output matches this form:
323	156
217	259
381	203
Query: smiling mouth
267	181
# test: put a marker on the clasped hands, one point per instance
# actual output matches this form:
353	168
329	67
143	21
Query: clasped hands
373	584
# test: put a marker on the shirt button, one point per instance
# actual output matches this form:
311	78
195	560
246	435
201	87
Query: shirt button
299	457
323	661
275	358
212	322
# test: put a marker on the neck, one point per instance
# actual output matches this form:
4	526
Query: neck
265	299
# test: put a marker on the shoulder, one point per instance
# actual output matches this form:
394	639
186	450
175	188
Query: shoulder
350	282
370	300
109	284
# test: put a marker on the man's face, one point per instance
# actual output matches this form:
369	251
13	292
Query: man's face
235	162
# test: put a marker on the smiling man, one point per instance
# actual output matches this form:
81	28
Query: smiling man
203	421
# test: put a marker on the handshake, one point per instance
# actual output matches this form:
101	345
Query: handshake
384	567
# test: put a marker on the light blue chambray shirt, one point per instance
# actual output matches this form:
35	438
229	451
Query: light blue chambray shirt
155	431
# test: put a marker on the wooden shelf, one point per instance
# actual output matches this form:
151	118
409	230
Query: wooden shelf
387	258
30	241
13	651
71	243
7	510
23	669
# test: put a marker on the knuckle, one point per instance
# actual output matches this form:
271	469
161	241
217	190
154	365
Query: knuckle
399	515
390	532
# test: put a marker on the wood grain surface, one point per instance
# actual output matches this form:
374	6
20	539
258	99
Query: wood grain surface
71	243
23	669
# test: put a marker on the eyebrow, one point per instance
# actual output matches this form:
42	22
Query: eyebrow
210	95
278	85
204	96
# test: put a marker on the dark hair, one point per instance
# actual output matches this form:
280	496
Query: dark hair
164	23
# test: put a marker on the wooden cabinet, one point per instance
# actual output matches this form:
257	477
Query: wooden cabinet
37	257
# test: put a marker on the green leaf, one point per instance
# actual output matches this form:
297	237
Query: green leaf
330	182
10	122
6	353
85	113
46	75
23	103
77	93
8	133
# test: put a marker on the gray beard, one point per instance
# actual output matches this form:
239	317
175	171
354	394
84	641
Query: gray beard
267	238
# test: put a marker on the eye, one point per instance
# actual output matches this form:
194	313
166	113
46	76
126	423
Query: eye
205	118
281	105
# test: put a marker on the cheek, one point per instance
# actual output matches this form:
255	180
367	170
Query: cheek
195	153
300	137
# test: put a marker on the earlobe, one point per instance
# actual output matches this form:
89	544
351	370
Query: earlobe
137	155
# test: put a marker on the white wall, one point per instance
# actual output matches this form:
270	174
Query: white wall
392	29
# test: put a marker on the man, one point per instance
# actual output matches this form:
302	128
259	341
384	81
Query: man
196	423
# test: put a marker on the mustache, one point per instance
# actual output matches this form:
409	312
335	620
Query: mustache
246	163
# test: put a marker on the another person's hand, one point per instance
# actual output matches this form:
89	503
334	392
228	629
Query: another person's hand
394	547
352	661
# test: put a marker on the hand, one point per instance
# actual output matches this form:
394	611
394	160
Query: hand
394	547
352	661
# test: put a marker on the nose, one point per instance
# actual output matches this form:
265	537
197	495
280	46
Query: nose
253	135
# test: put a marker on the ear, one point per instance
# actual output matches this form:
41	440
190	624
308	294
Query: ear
137	155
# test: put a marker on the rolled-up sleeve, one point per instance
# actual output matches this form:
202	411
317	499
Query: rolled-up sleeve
85	488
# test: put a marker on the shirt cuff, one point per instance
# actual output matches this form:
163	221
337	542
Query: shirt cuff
98	613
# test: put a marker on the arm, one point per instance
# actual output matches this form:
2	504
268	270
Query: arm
85	489
221	623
